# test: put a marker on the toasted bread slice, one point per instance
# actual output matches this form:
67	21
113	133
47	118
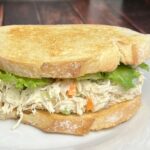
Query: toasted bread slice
80	125
69	51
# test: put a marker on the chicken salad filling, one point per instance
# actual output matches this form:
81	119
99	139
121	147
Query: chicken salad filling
66	96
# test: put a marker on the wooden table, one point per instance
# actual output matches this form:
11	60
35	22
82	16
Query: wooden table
134	14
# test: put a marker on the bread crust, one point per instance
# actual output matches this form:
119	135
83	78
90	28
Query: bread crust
69	51
80	125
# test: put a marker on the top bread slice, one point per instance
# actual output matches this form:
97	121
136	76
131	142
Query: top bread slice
69	51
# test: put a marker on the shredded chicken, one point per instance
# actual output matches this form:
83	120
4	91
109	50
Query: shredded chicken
54	99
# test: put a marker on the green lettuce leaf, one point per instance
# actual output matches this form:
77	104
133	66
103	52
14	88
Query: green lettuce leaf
123	75
22	82
144	66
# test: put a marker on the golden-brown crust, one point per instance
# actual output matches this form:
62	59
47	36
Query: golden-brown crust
80	125
69	51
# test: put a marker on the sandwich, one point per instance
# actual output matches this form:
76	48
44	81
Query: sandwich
71	79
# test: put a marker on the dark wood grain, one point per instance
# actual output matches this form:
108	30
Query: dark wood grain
97	11
1	14
137	12
57	12
20	13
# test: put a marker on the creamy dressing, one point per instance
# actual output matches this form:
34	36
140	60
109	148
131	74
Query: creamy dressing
54	99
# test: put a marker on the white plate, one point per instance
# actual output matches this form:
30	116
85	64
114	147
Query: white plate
134	134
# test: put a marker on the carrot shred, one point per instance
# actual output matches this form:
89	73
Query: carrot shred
72	90
90	105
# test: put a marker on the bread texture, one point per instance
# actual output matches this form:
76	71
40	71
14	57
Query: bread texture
69	51
80	125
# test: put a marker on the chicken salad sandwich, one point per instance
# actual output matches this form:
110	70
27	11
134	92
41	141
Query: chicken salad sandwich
71	79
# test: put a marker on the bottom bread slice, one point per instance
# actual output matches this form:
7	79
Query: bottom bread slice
80	125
